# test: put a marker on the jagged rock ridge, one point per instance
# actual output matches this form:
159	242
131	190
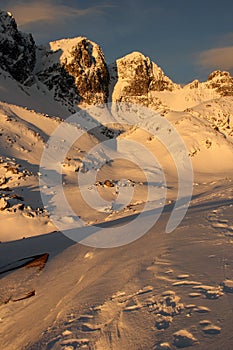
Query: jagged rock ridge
221	81
17	49
76	73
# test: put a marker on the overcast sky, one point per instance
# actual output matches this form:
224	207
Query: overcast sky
187	38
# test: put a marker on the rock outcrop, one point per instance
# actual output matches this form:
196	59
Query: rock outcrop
17	50
76	70
222	82
138	78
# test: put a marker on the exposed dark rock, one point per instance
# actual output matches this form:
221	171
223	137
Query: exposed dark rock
162	322
222	82
211	329
227	286
108	183
183	338
76	71
57	79
138	78
90	71
17	50
76	74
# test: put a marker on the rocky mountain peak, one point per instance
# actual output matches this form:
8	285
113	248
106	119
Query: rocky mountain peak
7	23
222	82
76	70
219	75
85	62
137	78
133	66
17	50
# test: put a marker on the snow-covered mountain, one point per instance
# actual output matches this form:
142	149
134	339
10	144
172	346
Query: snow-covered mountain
163	291
75	72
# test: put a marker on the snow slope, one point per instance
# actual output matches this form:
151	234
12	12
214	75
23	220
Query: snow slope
134	285
129	307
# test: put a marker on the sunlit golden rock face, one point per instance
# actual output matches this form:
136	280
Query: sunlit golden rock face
221	81
137	79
